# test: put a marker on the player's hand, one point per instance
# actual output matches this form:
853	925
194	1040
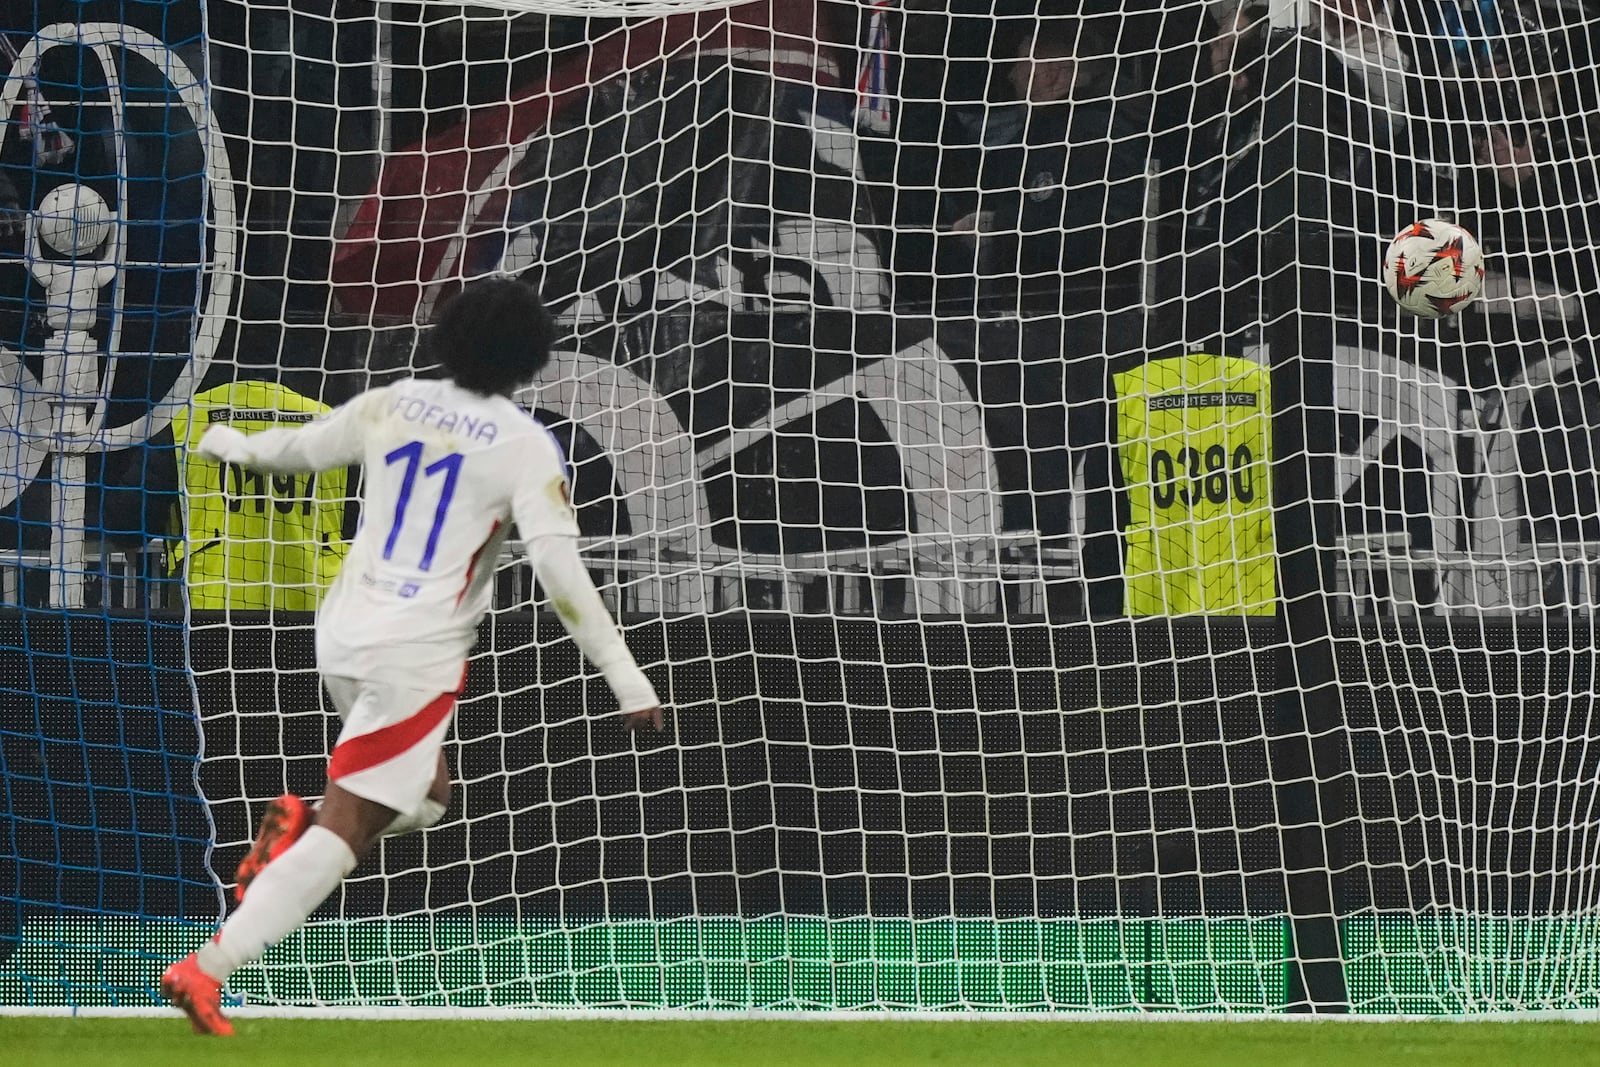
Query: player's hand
635	721
223	444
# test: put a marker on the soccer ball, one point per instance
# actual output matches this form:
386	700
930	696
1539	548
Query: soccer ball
1434	268
73	219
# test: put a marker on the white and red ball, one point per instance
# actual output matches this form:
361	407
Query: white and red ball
1433	268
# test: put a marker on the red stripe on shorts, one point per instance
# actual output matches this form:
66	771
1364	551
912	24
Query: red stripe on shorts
384	744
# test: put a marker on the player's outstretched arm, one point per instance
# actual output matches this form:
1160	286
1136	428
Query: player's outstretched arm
577	602
334	440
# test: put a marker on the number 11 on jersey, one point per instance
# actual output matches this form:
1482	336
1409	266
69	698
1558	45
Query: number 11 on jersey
450	467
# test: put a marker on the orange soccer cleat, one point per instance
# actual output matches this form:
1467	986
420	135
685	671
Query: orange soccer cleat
286	819
198	994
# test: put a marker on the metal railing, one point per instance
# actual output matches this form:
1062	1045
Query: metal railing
1384	574
1006	574
113	578
1010	574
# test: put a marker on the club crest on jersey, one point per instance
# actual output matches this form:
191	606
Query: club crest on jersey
560	496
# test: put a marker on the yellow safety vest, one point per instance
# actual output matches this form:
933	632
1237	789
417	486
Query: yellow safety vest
1194	440
255	540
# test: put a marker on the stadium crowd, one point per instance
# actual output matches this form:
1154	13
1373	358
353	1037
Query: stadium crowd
1030	157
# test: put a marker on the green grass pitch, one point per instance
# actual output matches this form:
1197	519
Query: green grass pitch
103	1042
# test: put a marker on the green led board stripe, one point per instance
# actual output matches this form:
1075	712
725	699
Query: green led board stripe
1446	964
1019	964
1431	964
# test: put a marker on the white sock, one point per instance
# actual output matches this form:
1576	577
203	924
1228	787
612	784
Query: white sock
281	898
430	812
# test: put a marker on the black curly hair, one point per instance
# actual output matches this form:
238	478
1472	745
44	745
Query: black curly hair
493	337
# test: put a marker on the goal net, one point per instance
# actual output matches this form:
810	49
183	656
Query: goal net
1076	585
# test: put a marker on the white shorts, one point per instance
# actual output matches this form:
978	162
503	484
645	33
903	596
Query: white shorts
388	751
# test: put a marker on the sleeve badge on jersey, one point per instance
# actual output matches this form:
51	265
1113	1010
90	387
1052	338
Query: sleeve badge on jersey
560	498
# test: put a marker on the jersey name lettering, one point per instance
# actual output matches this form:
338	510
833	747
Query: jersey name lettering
421	412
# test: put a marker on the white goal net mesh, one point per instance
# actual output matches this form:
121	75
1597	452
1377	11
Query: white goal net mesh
1075	583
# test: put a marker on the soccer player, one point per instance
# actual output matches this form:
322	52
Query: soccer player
447	465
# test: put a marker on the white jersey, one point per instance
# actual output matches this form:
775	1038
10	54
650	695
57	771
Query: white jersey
445	473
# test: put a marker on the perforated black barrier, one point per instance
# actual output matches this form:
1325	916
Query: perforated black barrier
820	766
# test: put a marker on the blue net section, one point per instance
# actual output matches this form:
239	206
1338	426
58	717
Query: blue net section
108	284
103	823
